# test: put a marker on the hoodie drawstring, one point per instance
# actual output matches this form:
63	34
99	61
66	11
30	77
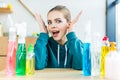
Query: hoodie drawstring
58	55
65	56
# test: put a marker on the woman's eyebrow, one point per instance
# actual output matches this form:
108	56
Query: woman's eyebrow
58	19
48	20
55	19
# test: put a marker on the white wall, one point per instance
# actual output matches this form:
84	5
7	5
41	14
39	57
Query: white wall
93	10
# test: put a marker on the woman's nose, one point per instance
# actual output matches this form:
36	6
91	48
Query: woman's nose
53	25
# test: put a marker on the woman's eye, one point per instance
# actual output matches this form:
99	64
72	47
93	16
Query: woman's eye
58	21
49	23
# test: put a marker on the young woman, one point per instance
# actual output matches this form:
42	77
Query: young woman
63	49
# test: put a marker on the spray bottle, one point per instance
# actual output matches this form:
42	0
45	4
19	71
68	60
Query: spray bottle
21	50
30	61
86	51
11	54
95	55
104	52
112	65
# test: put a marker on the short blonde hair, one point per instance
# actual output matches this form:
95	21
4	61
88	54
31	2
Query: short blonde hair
62	9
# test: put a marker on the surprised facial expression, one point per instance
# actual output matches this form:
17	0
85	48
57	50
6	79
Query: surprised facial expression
57	25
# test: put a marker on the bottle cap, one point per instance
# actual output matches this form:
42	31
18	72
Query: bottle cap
105	38
113	46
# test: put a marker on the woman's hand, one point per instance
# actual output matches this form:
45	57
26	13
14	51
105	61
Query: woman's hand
41	23
74	21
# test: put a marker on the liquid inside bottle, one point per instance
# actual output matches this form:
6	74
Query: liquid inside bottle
21	60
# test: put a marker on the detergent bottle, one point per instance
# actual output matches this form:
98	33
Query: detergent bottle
21	50
87	51
95	54
11	53
104	52
30	61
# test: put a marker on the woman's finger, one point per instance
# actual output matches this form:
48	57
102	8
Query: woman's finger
76	18
40	22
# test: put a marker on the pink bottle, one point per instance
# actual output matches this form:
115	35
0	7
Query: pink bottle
11	54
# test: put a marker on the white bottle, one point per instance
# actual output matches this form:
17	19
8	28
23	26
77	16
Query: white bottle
95	55
112	64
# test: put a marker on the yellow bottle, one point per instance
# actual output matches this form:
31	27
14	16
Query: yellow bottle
104	52
30	61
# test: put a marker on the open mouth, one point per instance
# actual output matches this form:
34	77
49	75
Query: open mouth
55	33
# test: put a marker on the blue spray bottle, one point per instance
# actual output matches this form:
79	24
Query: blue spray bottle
86	51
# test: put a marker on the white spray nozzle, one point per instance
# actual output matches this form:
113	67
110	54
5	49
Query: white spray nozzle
88	32
21	29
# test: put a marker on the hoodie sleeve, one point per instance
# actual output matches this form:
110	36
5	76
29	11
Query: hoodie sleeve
40	50
75	48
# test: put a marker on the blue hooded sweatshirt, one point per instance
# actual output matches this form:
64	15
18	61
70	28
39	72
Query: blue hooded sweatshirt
50	54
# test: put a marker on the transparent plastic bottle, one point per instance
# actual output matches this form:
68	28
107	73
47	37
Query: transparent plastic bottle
30	61
95	55
11	53
86	51
21	51
104	52
112	65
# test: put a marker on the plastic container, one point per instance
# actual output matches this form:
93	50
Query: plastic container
95	55
30	61
86	51
21	50
11	53
112	65
104	52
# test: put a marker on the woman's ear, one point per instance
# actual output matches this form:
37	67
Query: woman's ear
68	24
